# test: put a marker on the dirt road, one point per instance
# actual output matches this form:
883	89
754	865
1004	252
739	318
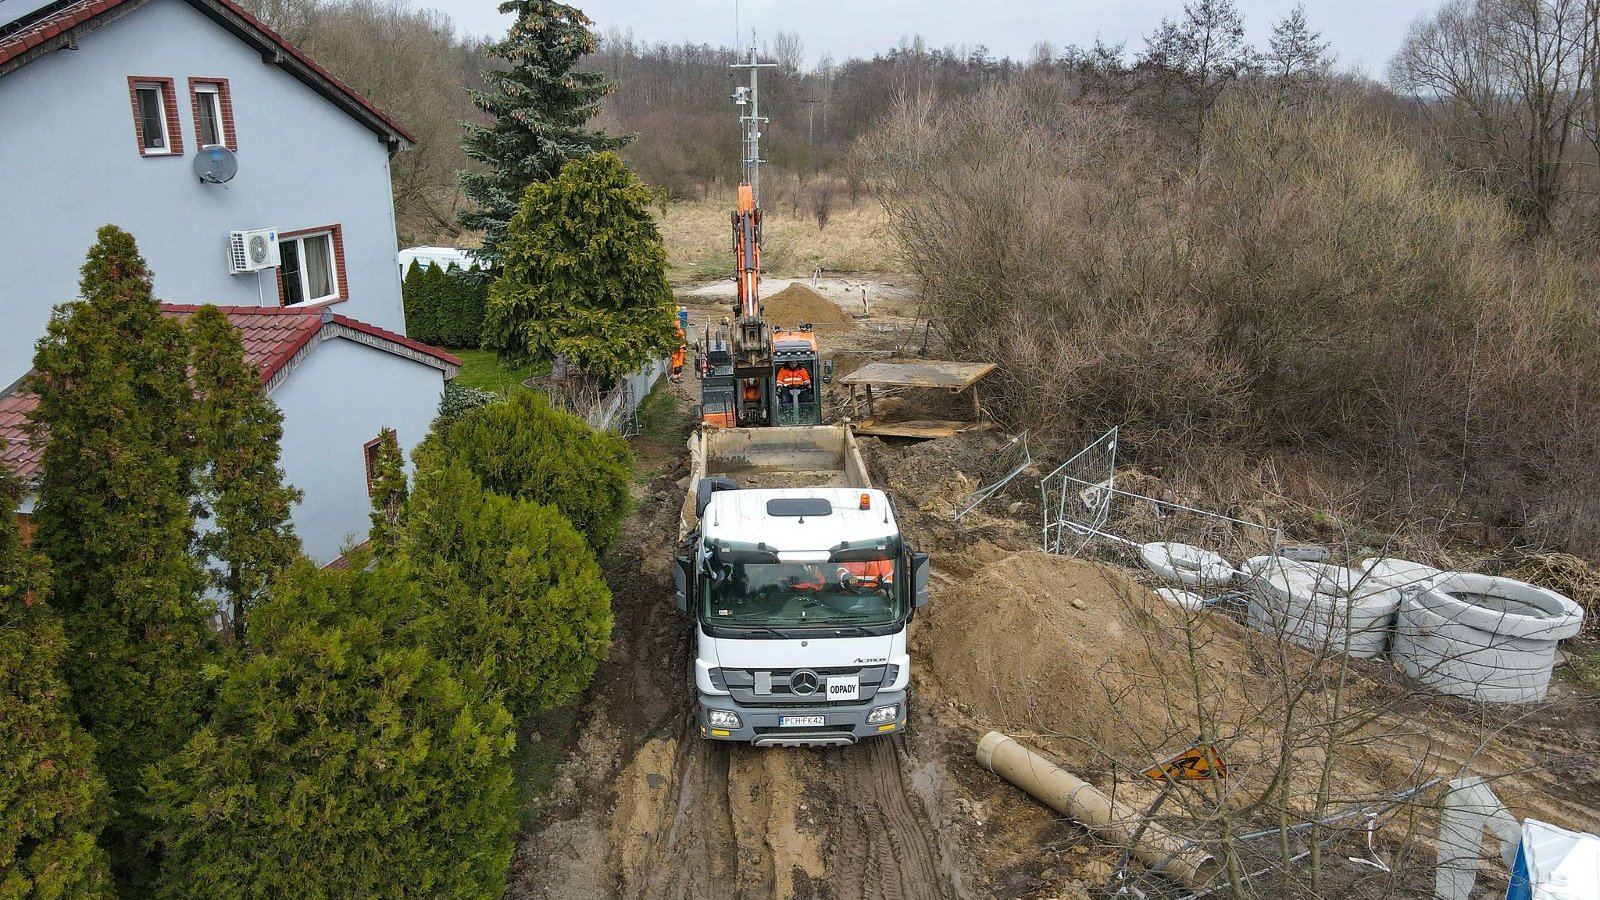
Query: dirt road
648	809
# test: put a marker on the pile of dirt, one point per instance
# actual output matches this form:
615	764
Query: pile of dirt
1079	652
932	480
798	304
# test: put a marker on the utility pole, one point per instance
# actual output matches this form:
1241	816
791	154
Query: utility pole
811	116
751	97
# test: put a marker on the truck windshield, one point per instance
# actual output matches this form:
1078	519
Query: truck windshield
791	595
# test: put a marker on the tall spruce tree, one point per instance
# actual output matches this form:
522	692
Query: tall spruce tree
237	428
388	496
113	517
539	103
52	800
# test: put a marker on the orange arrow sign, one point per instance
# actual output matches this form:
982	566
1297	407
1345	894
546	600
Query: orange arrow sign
1195	763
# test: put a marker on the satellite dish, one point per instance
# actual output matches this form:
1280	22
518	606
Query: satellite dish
215	164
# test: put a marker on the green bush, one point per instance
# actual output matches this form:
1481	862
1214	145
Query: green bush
55	801
341	761
522	448
114	519
444	306
458	399
583	273
516	601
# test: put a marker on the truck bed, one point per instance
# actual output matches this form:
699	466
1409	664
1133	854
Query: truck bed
796	456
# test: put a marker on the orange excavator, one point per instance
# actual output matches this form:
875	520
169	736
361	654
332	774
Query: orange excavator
750	373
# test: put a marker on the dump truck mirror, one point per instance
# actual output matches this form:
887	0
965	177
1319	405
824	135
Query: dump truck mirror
682	576
694	413
708	486
919	579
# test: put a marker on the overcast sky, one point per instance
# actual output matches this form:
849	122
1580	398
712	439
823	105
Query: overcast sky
1364	33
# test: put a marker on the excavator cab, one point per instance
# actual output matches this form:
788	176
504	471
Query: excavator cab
718	386
797	377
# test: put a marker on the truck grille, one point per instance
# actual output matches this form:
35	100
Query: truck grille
742	684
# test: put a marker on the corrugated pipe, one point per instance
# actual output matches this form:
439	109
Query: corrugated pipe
1070	795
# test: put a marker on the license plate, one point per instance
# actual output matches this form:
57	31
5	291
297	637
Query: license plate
844	687
799	721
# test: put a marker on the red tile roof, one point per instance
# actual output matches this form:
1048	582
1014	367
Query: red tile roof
272	338
18	454
273	335
231	15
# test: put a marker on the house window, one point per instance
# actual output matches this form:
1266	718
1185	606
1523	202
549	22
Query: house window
213	112
312	268
155	116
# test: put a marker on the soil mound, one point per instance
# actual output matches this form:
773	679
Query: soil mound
1051	646
797	303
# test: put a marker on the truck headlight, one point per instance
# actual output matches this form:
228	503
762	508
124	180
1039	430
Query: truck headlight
884	714
721	718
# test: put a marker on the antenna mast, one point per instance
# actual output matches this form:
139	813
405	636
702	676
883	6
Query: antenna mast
751	96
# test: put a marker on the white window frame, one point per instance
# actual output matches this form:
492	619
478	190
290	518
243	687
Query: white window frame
210	93
298	243
160	90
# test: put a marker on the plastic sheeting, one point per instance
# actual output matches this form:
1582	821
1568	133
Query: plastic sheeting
1555	864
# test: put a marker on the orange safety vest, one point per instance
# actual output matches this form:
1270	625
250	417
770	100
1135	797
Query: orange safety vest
816	585
875	573
794	376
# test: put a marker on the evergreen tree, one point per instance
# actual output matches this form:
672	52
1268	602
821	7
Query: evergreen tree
237	429
523	449
388	495
583	274
114	521
539	102
341	761
413	296
52	799
516	603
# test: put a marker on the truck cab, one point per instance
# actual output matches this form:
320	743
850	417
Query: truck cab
800	597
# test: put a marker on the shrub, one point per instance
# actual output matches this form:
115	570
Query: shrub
516	602
1305	284
237	429
582	275
55	801
445	306
113	517
388	496
523	449
458	399
341	761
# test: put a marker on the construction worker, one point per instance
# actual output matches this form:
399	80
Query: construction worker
871	574
677	355
797	378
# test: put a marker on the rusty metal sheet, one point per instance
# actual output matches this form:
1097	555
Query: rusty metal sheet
926	429
922	373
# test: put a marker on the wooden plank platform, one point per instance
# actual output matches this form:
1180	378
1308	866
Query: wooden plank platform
925	429
920	373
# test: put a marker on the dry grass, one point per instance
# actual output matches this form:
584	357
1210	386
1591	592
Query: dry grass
856	238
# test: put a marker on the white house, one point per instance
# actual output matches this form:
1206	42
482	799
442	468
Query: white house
136	113
339	383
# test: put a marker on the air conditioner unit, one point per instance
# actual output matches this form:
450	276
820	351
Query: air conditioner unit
253	250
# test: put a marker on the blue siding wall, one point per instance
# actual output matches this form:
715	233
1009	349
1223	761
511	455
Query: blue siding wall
339	398
69	163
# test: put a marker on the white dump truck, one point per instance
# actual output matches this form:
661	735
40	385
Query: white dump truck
793	568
